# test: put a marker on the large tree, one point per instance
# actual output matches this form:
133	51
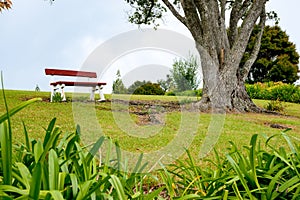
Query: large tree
221	47
277	59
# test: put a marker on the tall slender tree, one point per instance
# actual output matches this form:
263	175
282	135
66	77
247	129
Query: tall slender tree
221	47
184	73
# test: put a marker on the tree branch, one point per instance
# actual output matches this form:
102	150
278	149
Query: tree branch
193	20
149	12
248	64
240	44
223	8
175	12
238	10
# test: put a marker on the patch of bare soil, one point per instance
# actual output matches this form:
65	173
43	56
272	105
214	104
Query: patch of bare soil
148	112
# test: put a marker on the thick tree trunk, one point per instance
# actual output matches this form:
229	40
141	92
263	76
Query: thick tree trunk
226	95
223	89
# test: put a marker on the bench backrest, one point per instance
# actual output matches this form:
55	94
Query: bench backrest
64	72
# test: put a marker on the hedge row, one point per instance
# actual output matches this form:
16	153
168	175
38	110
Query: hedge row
274	91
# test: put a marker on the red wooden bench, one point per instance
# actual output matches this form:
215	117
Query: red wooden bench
61	84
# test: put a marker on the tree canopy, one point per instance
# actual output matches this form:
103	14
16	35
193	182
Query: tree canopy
118	85
277	59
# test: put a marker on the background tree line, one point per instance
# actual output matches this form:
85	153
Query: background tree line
183	76
277	61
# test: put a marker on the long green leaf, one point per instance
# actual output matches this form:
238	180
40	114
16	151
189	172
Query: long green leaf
74	183
82	159
289	183
9	189
116	183
252	158
35	185
38	150
26	137
189	196
56	195
94	149
240	175
53	170
61	180
49	131
6	153
84	189
25	174
153	194
56	132
271	194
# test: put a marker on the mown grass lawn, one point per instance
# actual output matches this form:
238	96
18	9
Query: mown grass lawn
238	127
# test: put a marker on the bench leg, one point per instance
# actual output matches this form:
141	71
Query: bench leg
53	89
92	95
102	98
62	93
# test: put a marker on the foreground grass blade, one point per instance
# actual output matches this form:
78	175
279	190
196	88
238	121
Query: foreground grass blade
6	153
53	170
252	159
25	174
35	184
94	149
56	195
239	174
116	183
26	137
49	131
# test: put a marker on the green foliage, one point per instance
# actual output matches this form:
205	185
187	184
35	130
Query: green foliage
145	88
135	86
170	93
149	89
274	91
57	166
118	85
277	59
248	173
56	97
168	84
184	74
145	12
274	105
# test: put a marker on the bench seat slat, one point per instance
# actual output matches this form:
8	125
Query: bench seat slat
62	72
76	83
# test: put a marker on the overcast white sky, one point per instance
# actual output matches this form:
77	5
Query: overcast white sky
35	35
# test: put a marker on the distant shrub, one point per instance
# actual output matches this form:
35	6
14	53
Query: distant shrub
274	91
149	89
275	105
56	97
170	93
